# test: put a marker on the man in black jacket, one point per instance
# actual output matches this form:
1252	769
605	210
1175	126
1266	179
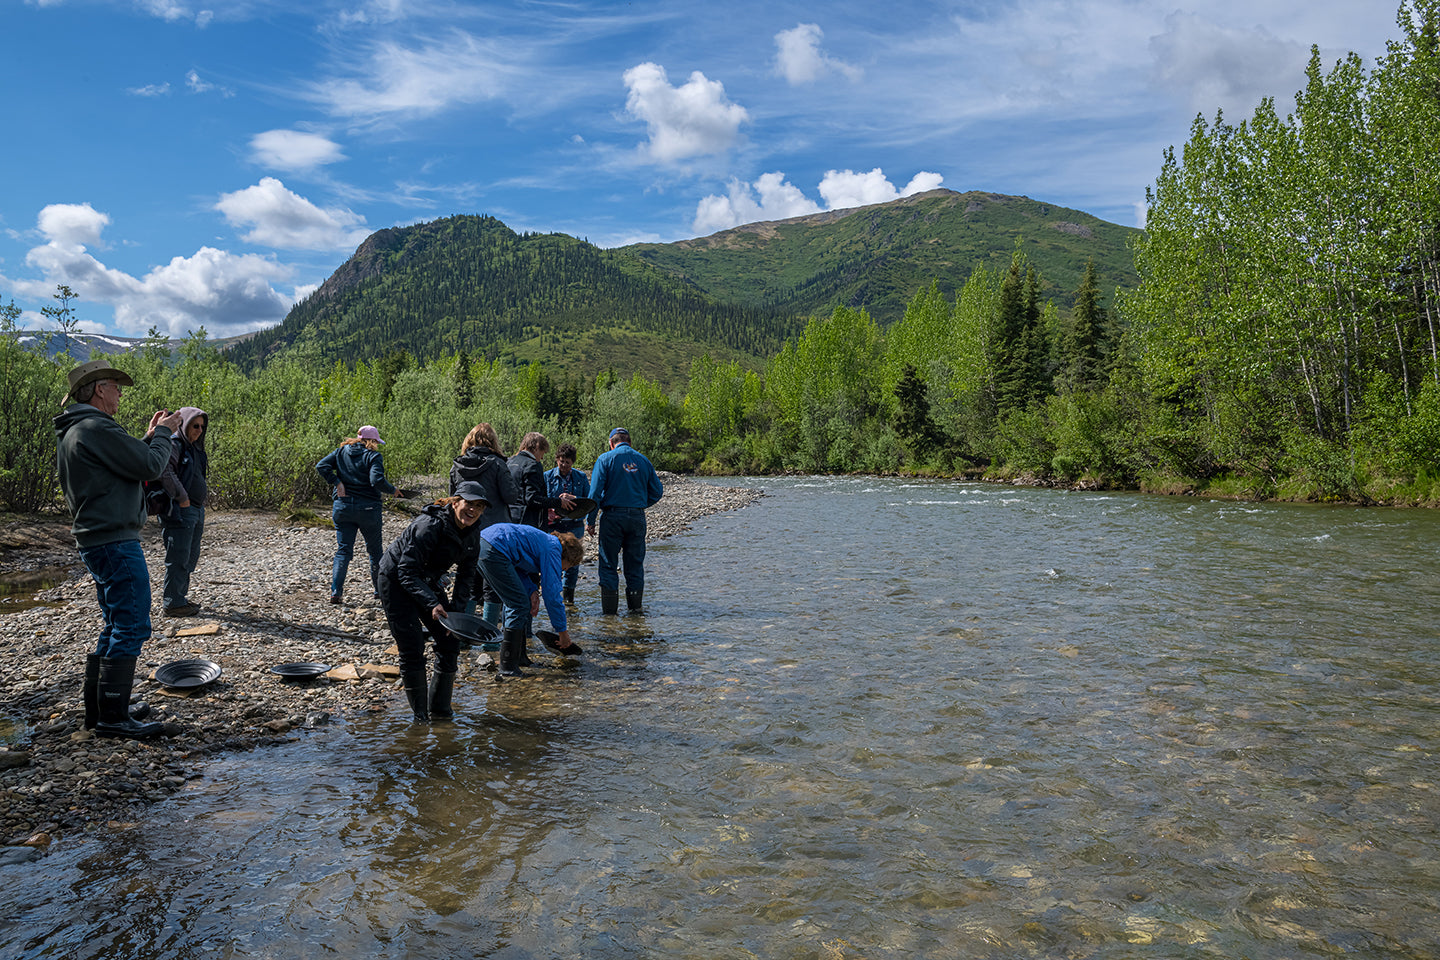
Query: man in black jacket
528	469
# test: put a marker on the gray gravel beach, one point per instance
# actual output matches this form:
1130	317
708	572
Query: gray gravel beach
263	584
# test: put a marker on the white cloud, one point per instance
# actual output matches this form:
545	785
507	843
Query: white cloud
686	121
73	224
197	85
167	10
293	150
1221	67
799	60
281	218
846	188
394	79
151	90
225	293
779	200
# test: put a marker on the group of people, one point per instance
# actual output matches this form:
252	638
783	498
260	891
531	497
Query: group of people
510	530
103	471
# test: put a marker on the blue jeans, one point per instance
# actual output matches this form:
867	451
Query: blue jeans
622	533
512	589
122	585
352	517
181	532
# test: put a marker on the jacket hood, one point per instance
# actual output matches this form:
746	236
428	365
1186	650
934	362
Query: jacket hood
76	413
186	415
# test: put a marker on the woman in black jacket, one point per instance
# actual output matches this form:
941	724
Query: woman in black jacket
445	535
481	462
528	470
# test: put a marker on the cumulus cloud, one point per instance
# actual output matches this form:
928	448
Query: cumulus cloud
779	199
799	60
1214	66
293	150
278	217
225	293
686	121
393	78
846	188
72	224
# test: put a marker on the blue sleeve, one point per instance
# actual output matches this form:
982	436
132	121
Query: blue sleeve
377	475
597	480
656	490
551	580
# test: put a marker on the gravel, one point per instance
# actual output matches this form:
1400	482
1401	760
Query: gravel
263	584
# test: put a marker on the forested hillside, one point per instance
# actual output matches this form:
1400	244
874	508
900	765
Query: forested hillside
471	283
878	257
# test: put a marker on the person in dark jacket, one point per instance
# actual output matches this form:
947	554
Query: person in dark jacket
564	478
445	535
356	471
182	526
624	485
481	460
528	469
102	471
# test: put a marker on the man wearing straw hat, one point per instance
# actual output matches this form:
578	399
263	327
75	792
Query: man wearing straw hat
102	472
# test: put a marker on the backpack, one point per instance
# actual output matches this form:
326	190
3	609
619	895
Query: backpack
157	501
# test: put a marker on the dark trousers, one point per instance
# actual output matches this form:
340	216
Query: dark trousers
622	535
410	623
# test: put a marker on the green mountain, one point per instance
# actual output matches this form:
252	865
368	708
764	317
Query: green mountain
878	256
473	283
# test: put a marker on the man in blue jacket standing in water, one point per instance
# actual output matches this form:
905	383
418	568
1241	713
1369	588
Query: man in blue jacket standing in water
624	485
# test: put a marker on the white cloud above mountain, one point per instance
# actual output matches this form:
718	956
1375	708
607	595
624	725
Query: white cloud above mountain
279	217
293	150
693	119
772	197
799	59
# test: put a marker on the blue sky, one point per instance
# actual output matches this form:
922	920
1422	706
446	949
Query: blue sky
182	163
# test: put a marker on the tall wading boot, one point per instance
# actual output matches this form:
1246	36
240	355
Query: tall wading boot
569	596
417	693
91	695
511	641
609	601
491	613
633	598
113	683
522	658
442	686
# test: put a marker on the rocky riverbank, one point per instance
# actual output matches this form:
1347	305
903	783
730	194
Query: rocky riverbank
263	584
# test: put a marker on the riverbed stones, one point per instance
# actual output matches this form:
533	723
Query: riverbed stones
263	586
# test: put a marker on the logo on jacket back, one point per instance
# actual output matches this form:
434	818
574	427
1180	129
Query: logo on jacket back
630	467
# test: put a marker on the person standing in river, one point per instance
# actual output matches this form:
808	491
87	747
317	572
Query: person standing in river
183	524
624	485
102	471
482	461
559	479
445	535
356	472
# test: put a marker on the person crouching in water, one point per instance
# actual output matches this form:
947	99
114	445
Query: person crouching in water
513	559
443	536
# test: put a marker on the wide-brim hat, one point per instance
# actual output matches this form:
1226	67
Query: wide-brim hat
92	370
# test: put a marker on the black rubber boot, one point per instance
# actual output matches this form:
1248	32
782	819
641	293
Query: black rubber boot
569	594
417	694
442	686
91	694
522	659
114	680
609	601
633	598
511	642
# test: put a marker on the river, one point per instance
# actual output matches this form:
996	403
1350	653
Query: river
861	718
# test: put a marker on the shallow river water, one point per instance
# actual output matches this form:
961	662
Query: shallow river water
861	718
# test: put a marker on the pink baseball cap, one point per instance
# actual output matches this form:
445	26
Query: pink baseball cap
368	432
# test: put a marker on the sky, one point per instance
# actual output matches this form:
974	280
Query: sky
206	163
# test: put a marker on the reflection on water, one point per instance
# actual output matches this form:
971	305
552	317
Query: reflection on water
861	718
18	588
